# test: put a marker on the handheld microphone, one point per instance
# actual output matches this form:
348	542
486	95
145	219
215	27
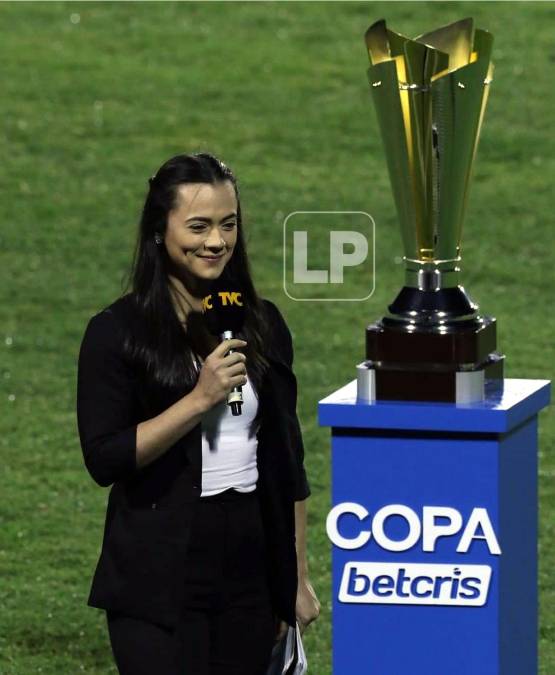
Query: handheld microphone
224	315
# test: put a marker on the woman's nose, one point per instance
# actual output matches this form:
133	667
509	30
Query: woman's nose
215	239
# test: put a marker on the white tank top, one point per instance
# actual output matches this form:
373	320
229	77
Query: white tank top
228	454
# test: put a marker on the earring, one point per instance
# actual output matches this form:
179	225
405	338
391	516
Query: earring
158	238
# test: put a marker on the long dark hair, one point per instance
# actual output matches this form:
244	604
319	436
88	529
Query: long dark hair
161	348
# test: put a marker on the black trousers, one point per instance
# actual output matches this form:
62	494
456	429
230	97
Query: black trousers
227	624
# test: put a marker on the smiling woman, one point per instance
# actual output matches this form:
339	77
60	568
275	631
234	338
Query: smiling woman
203	555
191	233
201	233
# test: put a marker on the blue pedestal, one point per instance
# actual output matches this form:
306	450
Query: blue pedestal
434	532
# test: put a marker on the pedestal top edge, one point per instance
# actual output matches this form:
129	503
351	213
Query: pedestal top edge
520	400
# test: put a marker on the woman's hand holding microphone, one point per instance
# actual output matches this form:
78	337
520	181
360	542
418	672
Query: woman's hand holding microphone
220	373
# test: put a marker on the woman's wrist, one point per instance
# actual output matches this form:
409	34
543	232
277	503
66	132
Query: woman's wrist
302	570
199	401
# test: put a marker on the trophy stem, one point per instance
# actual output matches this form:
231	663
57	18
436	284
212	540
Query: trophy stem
433	275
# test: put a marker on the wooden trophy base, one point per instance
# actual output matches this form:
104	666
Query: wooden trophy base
424	360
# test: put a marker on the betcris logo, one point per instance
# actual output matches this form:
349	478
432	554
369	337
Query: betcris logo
414	583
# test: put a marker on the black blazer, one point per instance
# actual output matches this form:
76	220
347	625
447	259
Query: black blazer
144	545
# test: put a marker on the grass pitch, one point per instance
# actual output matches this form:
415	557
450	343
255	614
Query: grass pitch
94	97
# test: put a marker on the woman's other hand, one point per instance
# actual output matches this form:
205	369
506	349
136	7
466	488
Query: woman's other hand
307	607
220	373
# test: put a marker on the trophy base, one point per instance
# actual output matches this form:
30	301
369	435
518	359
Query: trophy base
448	387
414	363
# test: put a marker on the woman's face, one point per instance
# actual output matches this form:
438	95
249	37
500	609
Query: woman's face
202	225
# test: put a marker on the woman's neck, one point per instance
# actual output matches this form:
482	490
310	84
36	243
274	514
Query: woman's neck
188	307
183	299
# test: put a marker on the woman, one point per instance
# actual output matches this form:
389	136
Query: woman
203	554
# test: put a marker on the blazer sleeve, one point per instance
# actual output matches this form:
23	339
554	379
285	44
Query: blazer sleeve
284	340
106	403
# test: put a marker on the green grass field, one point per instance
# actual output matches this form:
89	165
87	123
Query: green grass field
94	97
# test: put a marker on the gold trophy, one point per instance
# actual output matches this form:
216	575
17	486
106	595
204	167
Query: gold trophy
430	95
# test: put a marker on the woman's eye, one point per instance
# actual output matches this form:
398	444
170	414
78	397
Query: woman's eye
200	227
